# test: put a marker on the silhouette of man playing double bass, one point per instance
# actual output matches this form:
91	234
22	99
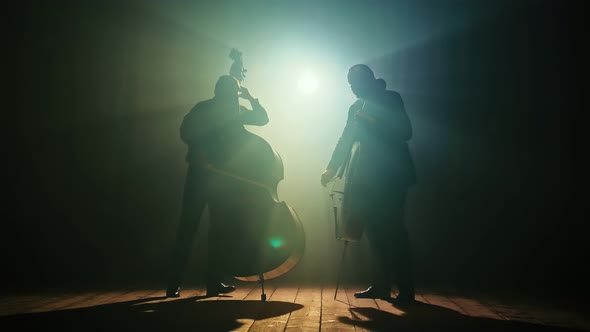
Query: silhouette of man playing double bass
211	130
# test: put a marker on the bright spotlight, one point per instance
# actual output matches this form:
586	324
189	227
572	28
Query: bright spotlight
308	83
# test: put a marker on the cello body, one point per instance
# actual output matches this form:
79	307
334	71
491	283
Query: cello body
348	226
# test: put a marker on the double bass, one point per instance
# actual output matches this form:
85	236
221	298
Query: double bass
265	237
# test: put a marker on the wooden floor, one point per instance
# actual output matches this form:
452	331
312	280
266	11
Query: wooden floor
286	309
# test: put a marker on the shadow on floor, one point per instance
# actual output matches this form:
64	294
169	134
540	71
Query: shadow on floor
195	314
186	314
427	317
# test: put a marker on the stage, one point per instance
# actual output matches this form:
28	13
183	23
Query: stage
287	308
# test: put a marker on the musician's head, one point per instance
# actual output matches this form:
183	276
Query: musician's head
363	82
227	87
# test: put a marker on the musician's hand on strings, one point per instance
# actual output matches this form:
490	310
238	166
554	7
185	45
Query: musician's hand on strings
327	176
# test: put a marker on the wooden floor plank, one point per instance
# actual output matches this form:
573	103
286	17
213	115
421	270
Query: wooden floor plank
98	299
276	323
556	316
528	310
474	308
307	319
254	295
513	313
442	301
358	315
65	301
335	314
62	303
314	308
26	303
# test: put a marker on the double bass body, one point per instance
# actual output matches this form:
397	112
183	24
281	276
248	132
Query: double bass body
263	237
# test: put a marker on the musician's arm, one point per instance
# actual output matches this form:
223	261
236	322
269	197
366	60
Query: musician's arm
344	143
343	146
257	116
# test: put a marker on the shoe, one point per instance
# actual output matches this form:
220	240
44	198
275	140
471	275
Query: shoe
404	300
219	288
173	291
373	293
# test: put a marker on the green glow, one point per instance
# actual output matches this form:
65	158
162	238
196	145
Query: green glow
275	242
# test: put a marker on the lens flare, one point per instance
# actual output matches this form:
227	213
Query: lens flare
308	83
275	242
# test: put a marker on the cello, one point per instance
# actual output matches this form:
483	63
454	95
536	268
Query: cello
265	237
348	224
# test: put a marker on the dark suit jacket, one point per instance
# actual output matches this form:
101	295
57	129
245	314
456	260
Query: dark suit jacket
384	158
210	126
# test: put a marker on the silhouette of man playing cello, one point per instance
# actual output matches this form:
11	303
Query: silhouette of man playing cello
385	170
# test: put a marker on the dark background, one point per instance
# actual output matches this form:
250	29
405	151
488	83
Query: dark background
94	178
